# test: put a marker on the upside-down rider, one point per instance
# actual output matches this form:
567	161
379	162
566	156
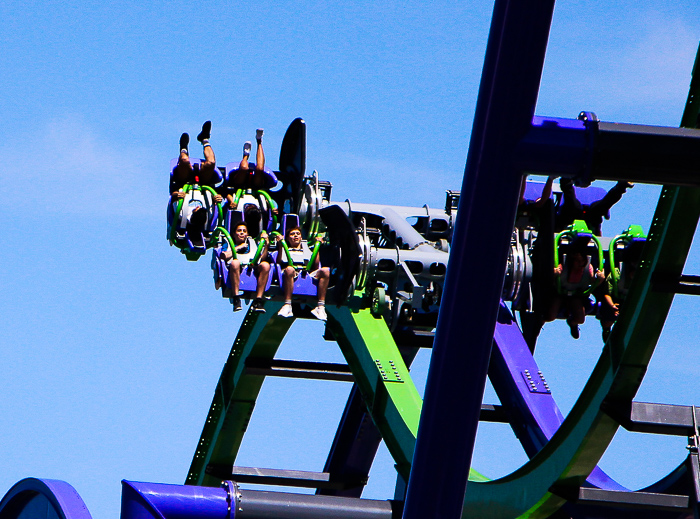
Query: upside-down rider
572	209
205	174
184	173
576	276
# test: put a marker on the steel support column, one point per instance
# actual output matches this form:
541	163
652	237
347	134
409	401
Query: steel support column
505	107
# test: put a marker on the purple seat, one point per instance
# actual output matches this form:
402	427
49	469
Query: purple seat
270	178
248	283
533	190
196	164
304	284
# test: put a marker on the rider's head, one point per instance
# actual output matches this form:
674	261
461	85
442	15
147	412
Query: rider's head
253	218
293	236
198	218
240	232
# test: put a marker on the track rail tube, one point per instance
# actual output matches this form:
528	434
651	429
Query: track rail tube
162	501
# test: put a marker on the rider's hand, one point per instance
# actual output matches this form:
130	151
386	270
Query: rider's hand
218	199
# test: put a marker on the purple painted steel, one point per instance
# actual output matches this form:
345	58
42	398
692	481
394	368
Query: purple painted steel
270	177
510	359
62	497
559	122
538	415
304	284
161	501
505	108
586	195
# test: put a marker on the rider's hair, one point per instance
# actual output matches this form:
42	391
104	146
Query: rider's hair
290	229
252	217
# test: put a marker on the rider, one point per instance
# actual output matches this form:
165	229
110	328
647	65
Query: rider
322	274
611	298
246	249
576	276
572	209
184	173
206	174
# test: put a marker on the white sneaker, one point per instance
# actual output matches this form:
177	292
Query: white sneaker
319	313
286	311
246	148
258	134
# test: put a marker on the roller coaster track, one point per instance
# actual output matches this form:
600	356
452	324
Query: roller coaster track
545	483
562	459
371	353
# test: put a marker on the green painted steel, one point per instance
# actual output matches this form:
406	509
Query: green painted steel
369	348
540	487
572	453
213	194
382	377
314	255
258	337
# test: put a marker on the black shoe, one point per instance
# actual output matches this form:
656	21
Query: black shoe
606	334
185	142
237	304
258	304
575	332
206	131
566	185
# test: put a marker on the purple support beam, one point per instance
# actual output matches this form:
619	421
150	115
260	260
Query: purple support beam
43	498
505	108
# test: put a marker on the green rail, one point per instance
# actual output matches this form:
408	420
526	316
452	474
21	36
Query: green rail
374	359
259	337
576	448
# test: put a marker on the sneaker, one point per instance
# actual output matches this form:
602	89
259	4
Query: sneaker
319	313
575	332
246	148
286	311
258	134
258	304
237	304
206	132
184	143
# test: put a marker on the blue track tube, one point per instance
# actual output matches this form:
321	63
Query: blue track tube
46	497
487	209
161	501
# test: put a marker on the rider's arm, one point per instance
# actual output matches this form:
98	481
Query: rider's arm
266	239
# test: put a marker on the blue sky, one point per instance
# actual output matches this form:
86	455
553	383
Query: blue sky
103	377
